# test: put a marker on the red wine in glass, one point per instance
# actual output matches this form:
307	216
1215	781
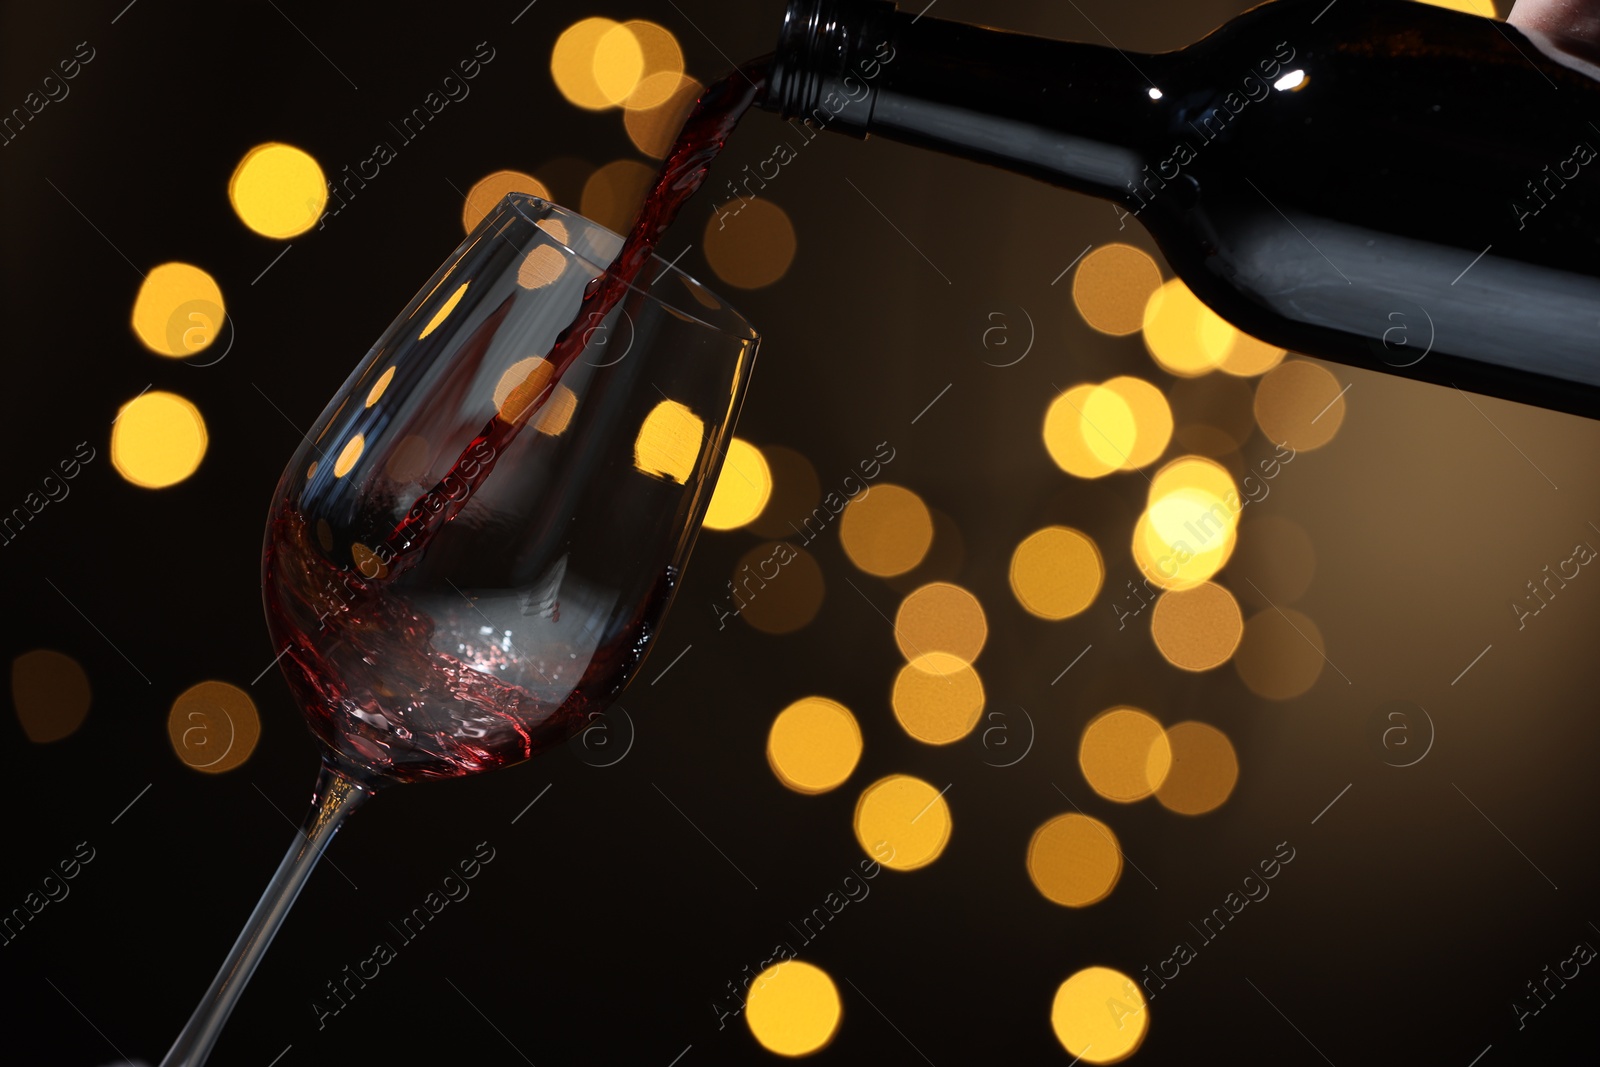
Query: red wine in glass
470	554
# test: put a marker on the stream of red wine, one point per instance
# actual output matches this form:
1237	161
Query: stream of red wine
376	682
717	112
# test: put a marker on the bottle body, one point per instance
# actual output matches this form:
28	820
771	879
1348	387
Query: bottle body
1391	186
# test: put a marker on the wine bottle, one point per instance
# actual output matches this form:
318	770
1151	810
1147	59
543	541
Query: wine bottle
1387	185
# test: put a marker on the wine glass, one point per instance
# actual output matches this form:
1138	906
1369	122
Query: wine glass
470	554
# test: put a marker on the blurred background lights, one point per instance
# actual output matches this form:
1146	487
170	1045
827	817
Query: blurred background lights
1172	320
521	386
1065	436
938	698
1112	286
178	311
668	445
886	530
488	191
902	822
213	726
1280	655
1204	769
50	692
1149	426
1182	539
1099	1015
1197	629
612	196
940	617
1124	754
556	413
814	745
158	440
1074	860
750	246
1056	572
542	265
1300	404
661	63
278	190
596	63
793	1008
653	127
779	605
742	489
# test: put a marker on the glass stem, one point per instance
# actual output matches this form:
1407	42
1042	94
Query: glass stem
336	797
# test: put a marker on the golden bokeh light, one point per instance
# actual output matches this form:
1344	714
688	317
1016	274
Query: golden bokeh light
1484	8
596	63
1204	769
662	65
796	492
1277	555
278	190
50	693
367	561
1074	860
743	487
379	387
213	726
937	698
668	445
1056	572
1244	356
941	617
793	1008
556	414
780	604
1172	320
1065	436
902	822
1108	426
1100	1016
654	128
1190	526
1197	629
886	531
1181	539
814	745
1124	754
1281	654
348	455
751	246
158	440
521	387
1300	404
444	311
542	265
1151	419
613	193
178	311
487	192
1112	286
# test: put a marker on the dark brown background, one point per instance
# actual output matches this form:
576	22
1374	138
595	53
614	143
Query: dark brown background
1400	934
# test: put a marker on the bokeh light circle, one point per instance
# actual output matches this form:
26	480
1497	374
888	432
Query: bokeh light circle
1197	629
902	822
814	745
886	530
1074	860
1205	769
179	310
1099	1015
278	190
158	440
793	1008
940	617
937	698
1124	754
1056	572
742	490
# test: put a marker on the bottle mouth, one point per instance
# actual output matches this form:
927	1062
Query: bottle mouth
817	49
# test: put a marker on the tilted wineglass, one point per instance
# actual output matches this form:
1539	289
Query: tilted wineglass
470	554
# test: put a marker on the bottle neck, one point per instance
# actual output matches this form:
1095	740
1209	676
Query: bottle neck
1069	114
